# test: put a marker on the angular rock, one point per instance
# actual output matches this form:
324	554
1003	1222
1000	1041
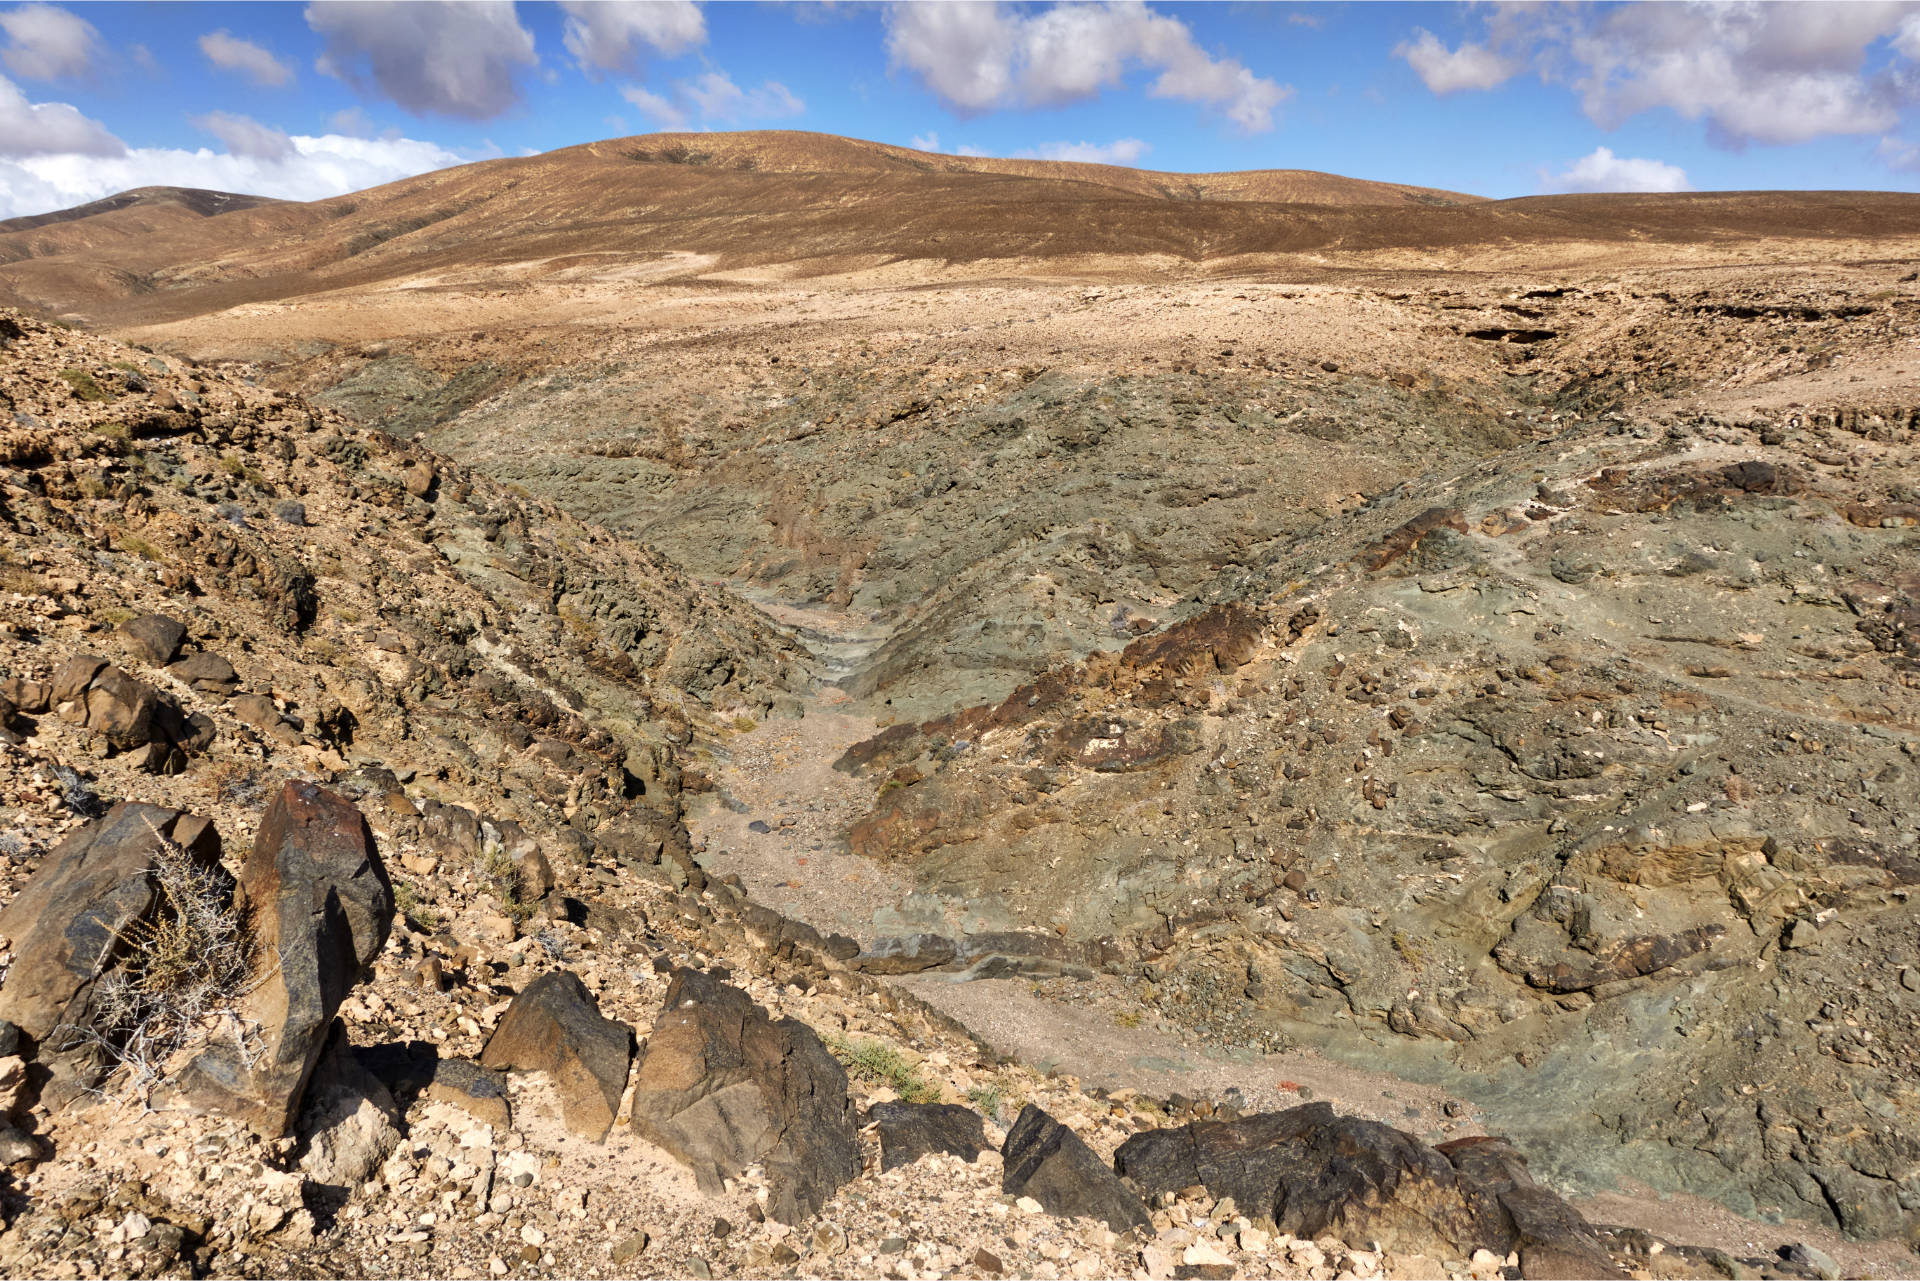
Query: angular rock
349	1121
721	1085
67	928
554	1026
1053	1165
909	1131
321	906
1313	1173
153	638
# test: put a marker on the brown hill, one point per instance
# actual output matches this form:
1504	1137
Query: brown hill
810	204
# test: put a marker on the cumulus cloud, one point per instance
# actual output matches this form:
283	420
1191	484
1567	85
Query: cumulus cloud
925	142
613	35
1782	72
246	137
314	168
984	56
1603	171
46	42
230	53
453	57
49	128
1121	151
713	98
660	110
1444	70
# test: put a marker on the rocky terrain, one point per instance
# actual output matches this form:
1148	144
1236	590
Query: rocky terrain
752	698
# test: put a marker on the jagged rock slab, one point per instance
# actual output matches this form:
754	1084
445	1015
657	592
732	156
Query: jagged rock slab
555	1026
1053	1165
909	1131
68	925
320	906
722	1085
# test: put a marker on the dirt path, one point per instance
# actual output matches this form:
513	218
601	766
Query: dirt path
780	777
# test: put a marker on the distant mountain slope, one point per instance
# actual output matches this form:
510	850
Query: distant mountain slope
810	204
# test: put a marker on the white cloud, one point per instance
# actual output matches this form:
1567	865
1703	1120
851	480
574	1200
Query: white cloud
246	137
230	53
713	98
1443	70
983	56
454	57
317	167
1782	73
1122	151
925	142
1603	171
656	108
352	121
47	42
49	128
611	35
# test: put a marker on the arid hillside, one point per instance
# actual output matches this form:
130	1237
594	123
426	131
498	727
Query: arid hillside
1239	639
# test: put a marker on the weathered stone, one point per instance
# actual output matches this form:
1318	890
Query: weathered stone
29	697
321	906
1313	1173
153	638
554	1026
908	955
1053	1165
909	1131
721	1085
206	672
68	928
482	1093
349	1121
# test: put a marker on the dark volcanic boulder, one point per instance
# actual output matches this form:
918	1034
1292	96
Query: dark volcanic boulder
153	638
555	1026
908	955
320	906
1313	1173
721	1084
67	928
909	1131
1053	1165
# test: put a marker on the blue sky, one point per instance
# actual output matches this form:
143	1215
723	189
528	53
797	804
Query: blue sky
308	100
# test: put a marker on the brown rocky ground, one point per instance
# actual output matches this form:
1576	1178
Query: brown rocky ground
1366	650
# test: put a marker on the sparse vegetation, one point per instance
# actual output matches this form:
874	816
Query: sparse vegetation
990	1099
182	969
134	545
878	1063
501	877
745	724
419	913
85	387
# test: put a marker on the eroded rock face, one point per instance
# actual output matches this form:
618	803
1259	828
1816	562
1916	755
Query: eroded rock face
1053	1165
722	1085
555	1026
320	906
1313	1173
68	925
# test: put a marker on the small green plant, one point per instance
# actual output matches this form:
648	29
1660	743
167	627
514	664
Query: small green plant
420	913
501	877
1128	1018
745	724
134	545
989	1098
232	466
84	386
878	1063
113	431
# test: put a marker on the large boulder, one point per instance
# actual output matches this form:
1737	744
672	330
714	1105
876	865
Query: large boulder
721	1085
554	1026
1312	1173
128	714
320	906
1053	1165
153	638
68	929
